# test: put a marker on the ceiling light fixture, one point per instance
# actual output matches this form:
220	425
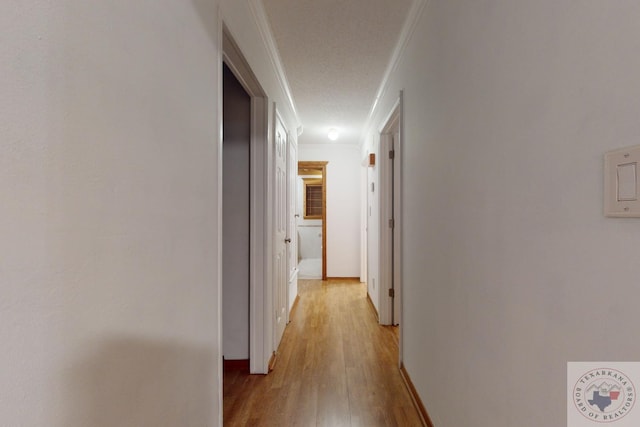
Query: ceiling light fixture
333	134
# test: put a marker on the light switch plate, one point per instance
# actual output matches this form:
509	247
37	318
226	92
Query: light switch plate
622	183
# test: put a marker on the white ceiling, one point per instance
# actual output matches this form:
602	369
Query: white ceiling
335	53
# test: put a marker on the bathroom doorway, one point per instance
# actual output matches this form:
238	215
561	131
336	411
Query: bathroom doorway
311	214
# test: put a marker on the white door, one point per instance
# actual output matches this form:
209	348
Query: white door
292	224
392	239
281	239
390	307
395	237
387	301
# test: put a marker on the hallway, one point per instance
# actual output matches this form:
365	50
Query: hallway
336	367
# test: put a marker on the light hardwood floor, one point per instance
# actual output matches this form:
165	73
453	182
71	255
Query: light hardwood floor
336	367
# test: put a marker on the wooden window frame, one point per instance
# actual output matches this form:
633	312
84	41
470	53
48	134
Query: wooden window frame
313	183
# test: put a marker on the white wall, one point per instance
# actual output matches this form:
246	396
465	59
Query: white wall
108	218
343	204
371	225
510	268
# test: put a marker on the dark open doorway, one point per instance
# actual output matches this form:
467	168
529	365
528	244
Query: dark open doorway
235	221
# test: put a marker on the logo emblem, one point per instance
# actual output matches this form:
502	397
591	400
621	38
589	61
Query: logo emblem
604	395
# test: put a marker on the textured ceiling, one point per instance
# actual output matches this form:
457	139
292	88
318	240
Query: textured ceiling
335	53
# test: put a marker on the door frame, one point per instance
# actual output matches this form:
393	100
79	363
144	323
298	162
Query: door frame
391	249
260	211
322	165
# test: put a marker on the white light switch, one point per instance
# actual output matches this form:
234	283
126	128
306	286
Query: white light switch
621	185
627	178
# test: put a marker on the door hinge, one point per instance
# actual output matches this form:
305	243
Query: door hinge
392	154
392	293
392	223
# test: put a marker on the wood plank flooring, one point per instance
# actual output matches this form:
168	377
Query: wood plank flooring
336	367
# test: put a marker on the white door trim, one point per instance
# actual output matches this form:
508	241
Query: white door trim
388	271
260	211
217	259
399	223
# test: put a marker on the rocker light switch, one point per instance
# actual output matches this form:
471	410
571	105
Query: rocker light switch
621	184
627	178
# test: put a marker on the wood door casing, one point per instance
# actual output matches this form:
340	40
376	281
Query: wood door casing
321	166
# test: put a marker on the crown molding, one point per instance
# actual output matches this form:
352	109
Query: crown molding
409	27
264	28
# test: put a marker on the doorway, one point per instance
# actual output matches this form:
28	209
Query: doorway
312	220
255	305
235	221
